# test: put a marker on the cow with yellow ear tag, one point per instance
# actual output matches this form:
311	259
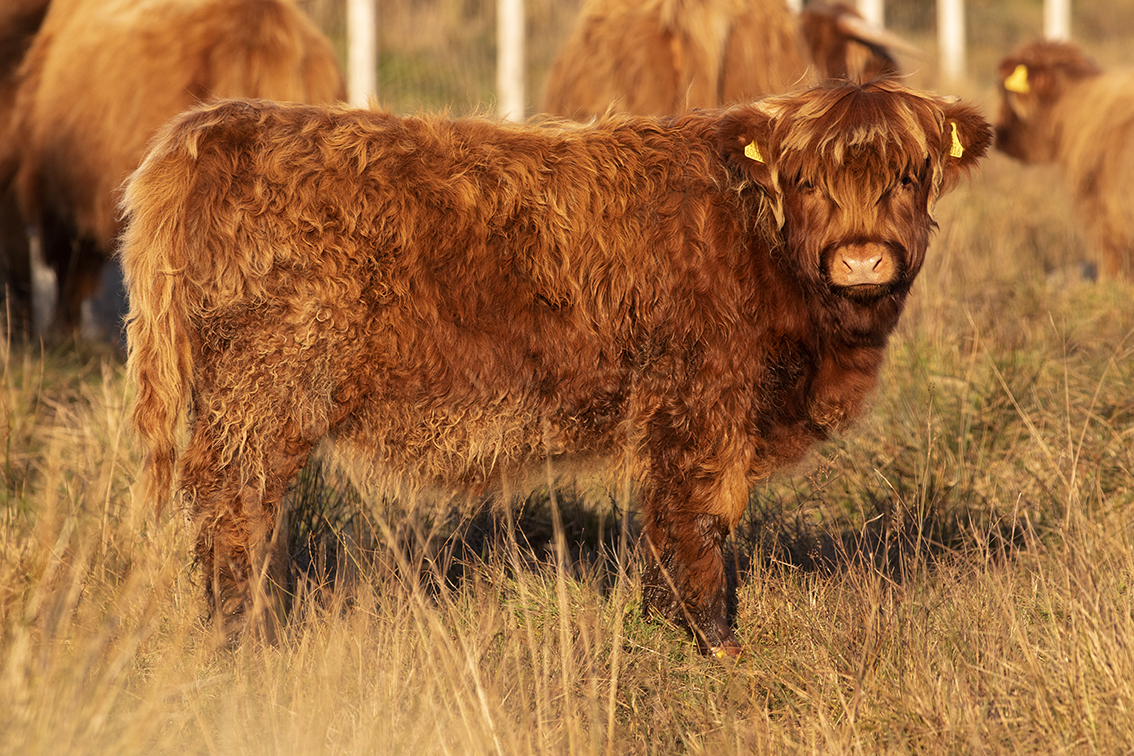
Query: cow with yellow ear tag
1058	106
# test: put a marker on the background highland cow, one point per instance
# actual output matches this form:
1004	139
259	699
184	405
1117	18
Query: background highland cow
19	22
700	299
1058	106
842	44
661	57
100	78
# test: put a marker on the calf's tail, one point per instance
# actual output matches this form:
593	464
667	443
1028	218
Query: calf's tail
159	253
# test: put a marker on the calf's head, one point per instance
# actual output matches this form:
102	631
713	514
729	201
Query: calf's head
852	174
1032	81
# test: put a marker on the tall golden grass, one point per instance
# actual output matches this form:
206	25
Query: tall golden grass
954	576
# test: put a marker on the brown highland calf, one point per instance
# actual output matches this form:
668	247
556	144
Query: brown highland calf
455	303
664	57
103	75
1058	106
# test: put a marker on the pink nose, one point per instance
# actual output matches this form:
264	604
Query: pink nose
862	264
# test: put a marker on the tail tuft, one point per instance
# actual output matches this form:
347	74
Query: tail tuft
156	254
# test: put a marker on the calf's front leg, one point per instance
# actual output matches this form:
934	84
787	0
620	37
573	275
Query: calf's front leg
684	580
689	511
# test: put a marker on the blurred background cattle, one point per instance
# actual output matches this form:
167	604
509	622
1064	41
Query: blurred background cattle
1058	106
94	85
841	43
442	53
19	21
660	57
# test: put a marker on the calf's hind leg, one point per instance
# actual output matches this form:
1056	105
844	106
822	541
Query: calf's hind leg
239	548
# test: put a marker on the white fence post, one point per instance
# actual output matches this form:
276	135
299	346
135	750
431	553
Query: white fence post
362	51
1057	19
510	59
951	39
873	11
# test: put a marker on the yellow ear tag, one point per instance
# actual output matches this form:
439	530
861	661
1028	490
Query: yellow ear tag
1018	81
753	152
956	149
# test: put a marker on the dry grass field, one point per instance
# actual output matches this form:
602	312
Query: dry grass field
954	576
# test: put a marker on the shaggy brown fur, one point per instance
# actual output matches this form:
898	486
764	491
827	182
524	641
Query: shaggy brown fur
103	75
1058	106
664	57
454	302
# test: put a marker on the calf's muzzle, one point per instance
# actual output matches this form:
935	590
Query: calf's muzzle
863	264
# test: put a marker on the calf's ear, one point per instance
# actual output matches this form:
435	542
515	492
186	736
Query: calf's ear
745	135
965	139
